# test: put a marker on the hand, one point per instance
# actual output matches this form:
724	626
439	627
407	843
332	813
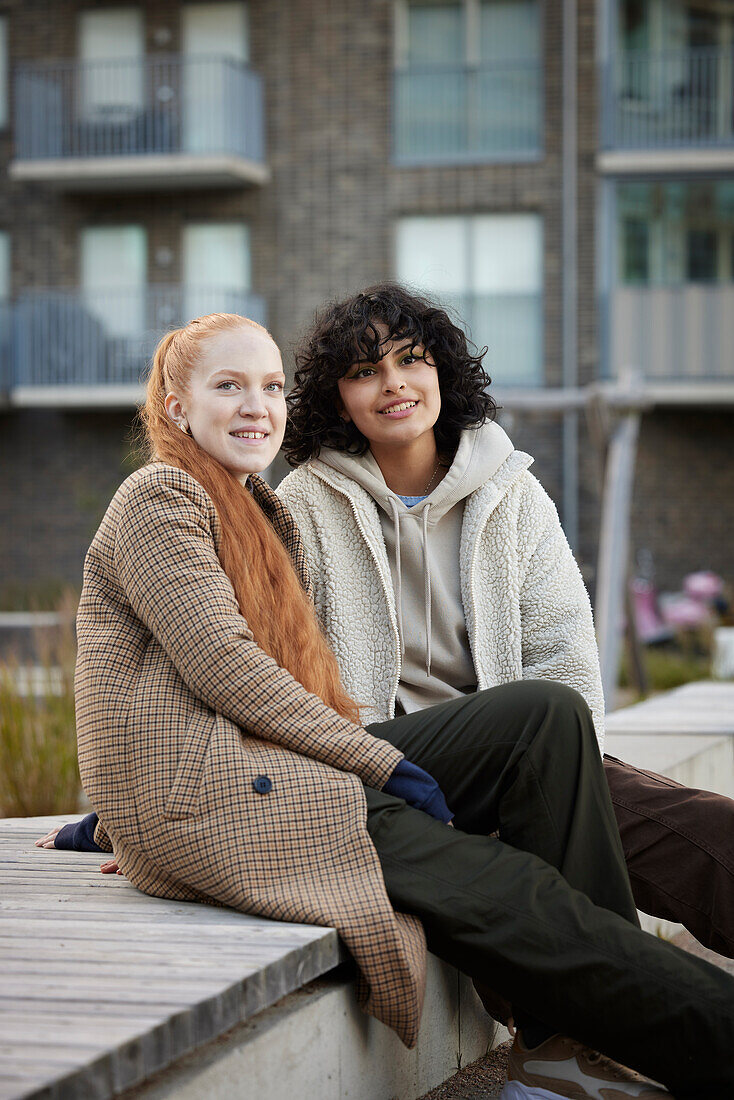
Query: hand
110	867
49	840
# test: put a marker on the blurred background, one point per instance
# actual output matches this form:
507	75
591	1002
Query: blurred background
561	174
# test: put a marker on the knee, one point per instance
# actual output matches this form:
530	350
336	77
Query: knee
530	709
561	710
553	695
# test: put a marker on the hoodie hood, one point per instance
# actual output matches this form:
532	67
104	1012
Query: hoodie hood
478	457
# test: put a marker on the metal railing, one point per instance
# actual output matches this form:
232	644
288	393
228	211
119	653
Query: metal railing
511	326
667	100
479	112
79	338
671	333
167	104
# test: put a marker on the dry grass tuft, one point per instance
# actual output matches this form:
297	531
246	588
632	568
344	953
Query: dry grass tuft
38	760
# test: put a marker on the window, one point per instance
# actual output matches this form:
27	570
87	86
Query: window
113	276
215	30
216	268
702	247
672	233
468	80
489	268
3	71
216	47
111	48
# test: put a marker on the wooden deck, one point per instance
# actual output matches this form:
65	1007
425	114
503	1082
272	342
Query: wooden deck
101	986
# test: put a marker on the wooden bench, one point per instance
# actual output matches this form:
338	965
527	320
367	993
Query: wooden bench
107	992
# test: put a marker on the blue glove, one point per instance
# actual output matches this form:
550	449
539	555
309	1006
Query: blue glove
418	789
78	836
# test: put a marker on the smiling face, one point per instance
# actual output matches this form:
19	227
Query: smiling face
396	400
235	403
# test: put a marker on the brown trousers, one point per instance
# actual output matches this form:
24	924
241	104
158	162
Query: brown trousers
679	847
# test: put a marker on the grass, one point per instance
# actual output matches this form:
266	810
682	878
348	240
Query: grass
669	668
42	595
38	759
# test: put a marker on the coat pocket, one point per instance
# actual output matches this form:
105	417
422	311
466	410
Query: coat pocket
184	797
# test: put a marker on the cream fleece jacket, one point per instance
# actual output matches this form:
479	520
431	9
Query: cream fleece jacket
423	545
526	610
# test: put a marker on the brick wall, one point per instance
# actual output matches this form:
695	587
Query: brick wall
323	227
58	471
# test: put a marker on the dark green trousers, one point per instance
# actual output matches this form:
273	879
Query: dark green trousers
544	914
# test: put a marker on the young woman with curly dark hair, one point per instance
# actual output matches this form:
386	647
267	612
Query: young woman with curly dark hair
354	331
440	569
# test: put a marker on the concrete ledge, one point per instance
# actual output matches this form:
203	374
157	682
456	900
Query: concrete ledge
100	396
105	989
674	161
152	171
317	1045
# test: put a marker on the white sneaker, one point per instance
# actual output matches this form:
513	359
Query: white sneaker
561	1067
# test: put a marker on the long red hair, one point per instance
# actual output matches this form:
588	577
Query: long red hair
265	582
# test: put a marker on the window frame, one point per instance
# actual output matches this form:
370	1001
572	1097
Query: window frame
472	26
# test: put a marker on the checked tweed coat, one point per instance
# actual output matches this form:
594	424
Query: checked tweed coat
179	712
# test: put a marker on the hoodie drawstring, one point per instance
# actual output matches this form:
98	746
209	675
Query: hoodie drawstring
398	575
427	588
426	581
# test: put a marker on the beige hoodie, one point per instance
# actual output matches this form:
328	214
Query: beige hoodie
423	550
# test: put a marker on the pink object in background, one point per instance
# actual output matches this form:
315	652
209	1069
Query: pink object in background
705	586
682	613
649	625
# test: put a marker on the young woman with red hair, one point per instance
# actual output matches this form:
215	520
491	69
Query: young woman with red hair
227	763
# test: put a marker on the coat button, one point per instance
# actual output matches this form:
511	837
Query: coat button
262	784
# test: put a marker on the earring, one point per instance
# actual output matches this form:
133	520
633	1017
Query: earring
183	426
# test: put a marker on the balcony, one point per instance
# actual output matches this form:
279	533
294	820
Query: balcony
158	123
669	110
675	338
77	349
468	114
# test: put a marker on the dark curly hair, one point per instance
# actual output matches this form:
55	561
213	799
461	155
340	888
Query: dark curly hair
344	333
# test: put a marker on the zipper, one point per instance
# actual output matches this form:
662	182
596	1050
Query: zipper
475	552
386	587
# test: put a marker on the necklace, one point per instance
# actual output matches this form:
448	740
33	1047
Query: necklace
430	480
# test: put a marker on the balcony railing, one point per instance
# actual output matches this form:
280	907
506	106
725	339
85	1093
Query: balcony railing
669	100
472	113
105	338
511	325
672	334
192	107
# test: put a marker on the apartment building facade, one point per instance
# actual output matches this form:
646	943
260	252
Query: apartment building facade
561	174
